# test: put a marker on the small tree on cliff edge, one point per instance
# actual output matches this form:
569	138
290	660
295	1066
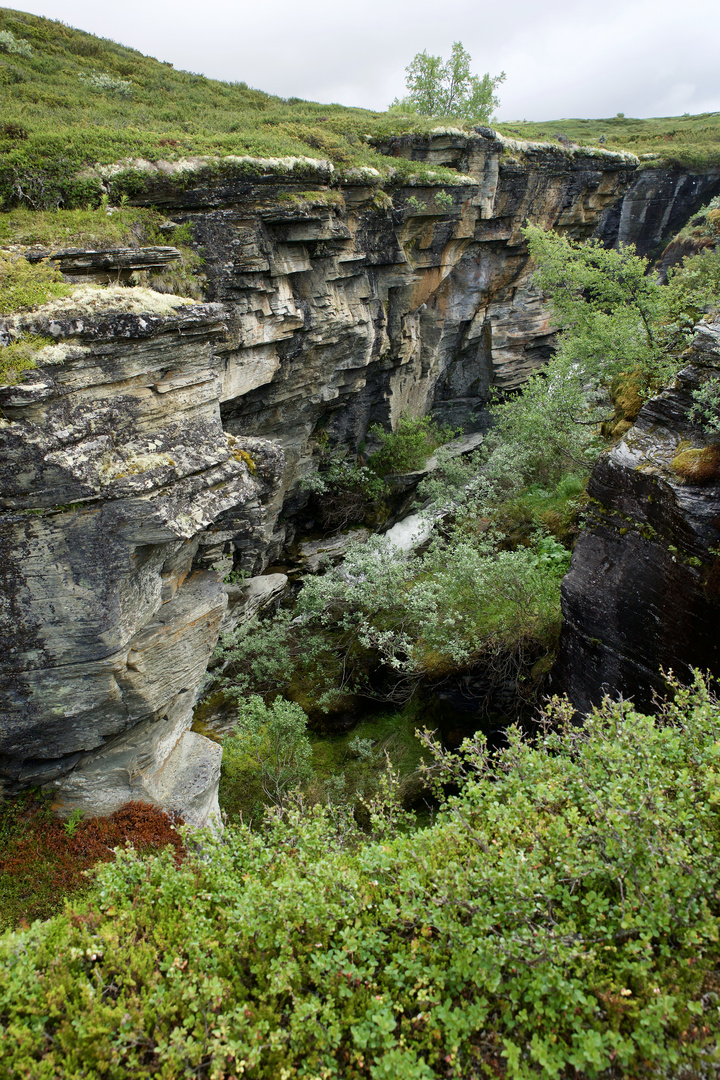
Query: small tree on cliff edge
437	88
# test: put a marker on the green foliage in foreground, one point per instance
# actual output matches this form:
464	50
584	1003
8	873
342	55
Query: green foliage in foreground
560	918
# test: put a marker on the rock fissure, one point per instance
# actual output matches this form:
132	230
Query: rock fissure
163	441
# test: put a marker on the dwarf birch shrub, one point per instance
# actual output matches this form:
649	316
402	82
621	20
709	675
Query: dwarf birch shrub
560	918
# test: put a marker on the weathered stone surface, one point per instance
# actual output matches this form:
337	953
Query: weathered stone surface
116	464
658	204
159	444
315	556
249	597
643	591
103	266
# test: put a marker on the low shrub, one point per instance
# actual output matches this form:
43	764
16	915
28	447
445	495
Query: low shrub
409	446
43	860
560	918
19	356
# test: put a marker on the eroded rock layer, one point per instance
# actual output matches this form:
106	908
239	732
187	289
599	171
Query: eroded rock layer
643	591
116	464
160	444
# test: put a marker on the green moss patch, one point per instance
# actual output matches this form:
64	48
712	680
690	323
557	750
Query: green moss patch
698	465
24	286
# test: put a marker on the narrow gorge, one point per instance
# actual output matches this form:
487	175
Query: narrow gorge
159	445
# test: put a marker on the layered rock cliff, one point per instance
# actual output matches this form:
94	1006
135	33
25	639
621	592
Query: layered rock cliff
643	591
159	443
116	463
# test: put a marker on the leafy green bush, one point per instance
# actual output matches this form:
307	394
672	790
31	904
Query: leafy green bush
407	448
618	324
465	601
560	918
103	81
9	43
448	89
343	490
270	747
280	655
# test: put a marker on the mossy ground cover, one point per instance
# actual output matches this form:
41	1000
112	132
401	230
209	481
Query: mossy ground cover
125	226
43	860
60	114
70	99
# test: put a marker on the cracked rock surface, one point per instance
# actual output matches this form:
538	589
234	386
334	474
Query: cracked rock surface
643	591
160	444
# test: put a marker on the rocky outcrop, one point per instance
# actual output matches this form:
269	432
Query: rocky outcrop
353	299
159	444
643	591
117	476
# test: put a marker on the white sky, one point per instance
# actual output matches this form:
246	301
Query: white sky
562	58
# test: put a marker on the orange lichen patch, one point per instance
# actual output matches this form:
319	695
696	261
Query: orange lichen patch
43	859
698	465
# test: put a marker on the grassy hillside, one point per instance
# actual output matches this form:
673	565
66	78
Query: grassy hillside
687	140
70	99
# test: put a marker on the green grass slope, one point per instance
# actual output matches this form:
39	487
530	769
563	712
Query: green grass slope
69	99
693	141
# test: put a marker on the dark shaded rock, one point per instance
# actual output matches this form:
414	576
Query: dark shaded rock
657	205
643	590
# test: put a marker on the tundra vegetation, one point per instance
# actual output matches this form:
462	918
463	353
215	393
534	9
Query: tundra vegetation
552	909
559	917
71	100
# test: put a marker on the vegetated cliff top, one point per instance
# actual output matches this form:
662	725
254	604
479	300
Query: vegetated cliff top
684	140
71	99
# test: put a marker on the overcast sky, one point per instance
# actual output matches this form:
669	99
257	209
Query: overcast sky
563	58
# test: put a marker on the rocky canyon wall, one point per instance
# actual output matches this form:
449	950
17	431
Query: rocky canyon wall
159	443
643	591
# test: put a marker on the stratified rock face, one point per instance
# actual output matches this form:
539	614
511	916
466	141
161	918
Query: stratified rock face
657	204
345	308
643	591
160	445
115	467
